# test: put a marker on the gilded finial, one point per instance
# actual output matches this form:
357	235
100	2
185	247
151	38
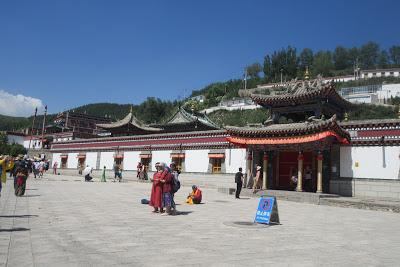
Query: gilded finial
346	116
306	74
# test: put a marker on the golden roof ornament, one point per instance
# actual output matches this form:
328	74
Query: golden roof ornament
346	116
306	74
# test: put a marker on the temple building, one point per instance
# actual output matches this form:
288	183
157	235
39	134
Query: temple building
307	144
192	141
297	138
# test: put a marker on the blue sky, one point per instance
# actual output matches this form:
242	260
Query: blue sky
69	53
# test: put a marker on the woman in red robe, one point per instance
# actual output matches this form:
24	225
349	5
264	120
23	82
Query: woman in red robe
156	199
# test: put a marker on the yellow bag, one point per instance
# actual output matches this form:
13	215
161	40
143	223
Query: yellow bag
189	200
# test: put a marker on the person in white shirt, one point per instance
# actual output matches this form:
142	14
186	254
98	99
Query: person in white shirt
87	172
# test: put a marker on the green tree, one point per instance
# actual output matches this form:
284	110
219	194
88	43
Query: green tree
267	68
394	52
369	54
383	59
254	70
306	59
341	58
16	149
323	63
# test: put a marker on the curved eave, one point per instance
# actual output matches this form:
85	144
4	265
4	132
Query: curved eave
289	130
244	141
302	98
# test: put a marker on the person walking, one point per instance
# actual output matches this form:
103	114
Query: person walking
103	175
55	168
257	179
239	182
176	184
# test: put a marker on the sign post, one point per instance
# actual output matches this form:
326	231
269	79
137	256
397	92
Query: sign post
267	211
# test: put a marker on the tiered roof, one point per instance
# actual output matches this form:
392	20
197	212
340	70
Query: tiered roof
185	121
311	97
129	125
181	121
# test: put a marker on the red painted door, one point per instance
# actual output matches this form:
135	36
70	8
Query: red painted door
287	166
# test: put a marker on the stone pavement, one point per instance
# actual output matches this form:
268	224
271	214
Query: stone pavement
73	223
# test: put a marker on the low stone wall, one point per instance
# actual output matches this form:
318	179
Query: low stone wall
381	188
187	179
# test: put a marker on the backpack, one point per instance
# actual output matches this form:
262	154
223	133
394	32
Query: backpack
176	184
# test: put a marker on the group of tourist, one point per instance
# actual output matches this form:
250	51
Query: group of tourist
19	167
165	185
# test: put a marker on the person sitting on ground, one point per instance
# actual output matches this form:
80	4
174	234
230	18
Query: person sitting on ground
195	196
87	171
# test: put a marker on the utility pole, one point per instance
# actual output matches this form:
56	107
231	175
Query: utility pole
245	79
44	121
281	76
33	124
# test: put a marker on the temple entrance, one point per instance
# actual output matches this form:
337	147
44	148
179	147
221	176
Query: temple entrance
64	162
178	162
146	163
286	166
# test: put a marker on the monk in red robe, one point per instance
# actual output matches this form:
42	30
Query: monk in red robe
156	199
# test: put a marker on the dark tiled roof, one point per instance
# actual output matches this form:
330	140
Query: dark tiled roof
130	119
182	117
304	93
290	129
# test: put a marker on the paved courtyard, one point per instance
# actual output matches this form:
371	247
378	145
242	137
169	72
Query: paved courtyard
72	223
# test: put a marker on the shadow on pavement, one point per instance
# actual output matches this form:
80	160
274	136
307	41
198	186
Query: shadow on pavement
32	196
17	229
182	213
30	189
18	216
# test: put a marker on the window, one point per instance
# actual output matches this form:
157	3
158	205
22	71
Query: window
216	165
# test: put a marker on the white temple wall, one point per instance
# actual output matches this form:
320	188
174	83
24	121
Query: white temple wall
72	162
91	159
376	162
196	160
160	156
235	158
56	158
131	159
107	159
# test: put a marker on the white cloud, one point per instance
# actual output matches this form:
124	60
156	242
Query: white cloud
18	105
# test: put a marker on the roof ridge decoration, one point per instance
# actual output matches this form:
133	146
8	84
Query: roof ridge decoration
182	116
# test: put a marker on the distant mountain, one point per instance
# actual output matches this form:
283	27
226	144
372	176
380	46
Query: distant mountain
8	123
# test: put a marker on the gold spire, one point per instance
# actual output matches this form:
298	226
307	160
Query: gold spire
306	74
346	116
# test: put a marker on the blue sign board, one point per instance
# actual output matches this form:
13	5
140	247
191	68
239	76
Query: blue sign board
264	210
